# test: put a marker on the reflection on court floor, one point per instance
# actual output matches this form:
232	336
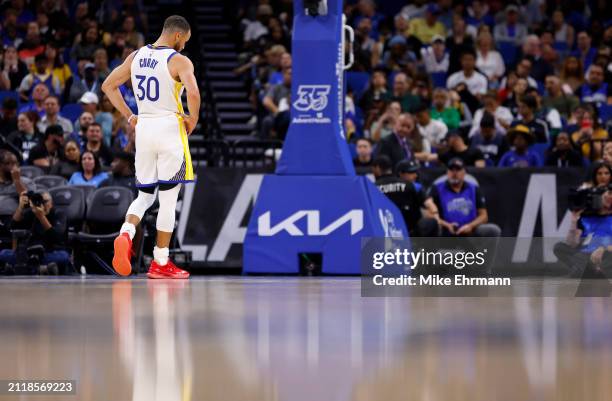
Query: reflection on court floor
243	338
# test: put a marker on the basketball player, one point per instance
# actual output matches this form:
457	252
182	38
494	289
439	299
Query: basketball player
159	74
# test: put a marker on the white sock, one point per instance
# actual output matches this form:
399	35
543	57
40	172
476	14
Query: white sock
161	255
128	228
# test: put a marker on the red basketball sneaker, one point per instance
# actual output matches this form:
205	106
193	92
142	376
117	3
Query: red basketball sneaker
169	270
123	254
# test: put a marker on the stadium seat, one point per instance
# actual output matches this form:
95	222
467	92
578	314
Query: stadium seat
562	48
8	94
31	172
106	209
605	113
508	51
438	79
87	190
72	111
71	202
254	152
49	181
357	82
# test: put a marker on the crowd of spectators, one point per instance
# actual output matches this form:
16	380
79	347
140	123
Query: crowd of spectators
493	83
54	56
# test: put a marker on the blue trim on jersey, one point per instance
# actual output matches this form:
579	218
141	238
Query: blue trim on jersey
146	185
170	56
175	182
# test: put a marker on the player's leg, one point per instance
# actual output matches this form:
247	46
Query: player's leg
146	181
173	168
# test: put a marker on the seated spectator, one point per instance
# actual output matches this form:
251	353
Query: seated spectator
39	94
523	70
475	82
81	126
132	36
520	155
90	171
510	30
556	99
56	65
490	140
426	27
503	116
528	106
96	145
122	173
488	60
422	89
362	48
563	154
405	143
550	116
459	41
562	31
457	149
584	50
363	160
398	57
11	183
571	75
12	70
406	197
478	14
47	227
100	58
277	103
8	116
27	136
87	80
86	44
595	90
518	91
383	127
90	103
377	89
285	62
432	130
587	135
48	152
41	73
401	93
69	164
52	116
462	205
442	111
435	58
532	49
255	29
32	45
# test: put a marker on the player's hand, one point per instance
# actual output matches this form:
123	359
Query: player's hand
133	120
464	230
190	123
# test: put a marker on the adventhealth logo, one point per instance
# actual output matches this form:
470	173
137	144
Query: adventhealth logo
312	98
353	217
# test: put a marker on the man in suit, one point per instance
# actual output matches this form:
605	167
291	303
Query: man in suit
397	146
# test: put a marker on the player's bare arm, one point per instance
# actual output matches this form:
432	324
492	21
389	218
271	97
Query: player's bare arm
181	67
111	85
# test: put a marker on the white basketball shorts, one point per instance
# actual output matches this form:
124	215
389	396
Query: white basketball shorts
162	151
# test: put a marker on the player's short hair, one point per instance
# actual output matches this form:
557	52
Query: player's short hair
176	23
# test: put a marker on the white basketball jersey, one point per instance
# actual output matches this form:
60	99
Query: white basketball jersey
156	92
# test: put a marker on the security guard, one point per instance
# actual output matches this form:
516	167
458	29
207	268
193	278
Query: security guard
405	196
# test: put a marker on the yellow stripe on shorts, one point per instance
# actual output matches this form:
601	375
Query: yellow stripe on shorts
185	142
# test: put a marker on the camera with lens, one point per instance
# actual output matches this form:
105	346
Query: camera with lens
315	8
36	198
588	199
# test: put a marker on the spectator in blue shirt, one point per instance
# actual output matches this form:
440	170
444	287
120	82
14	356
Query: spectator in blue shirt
489	140
90	171
584	51
520	156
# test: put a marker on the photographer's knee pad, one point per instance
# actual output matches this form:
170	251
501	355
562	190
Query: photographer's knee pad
140	205
166	215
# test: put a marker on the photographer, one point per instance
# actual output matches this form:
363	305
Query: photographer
47	229
588	245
